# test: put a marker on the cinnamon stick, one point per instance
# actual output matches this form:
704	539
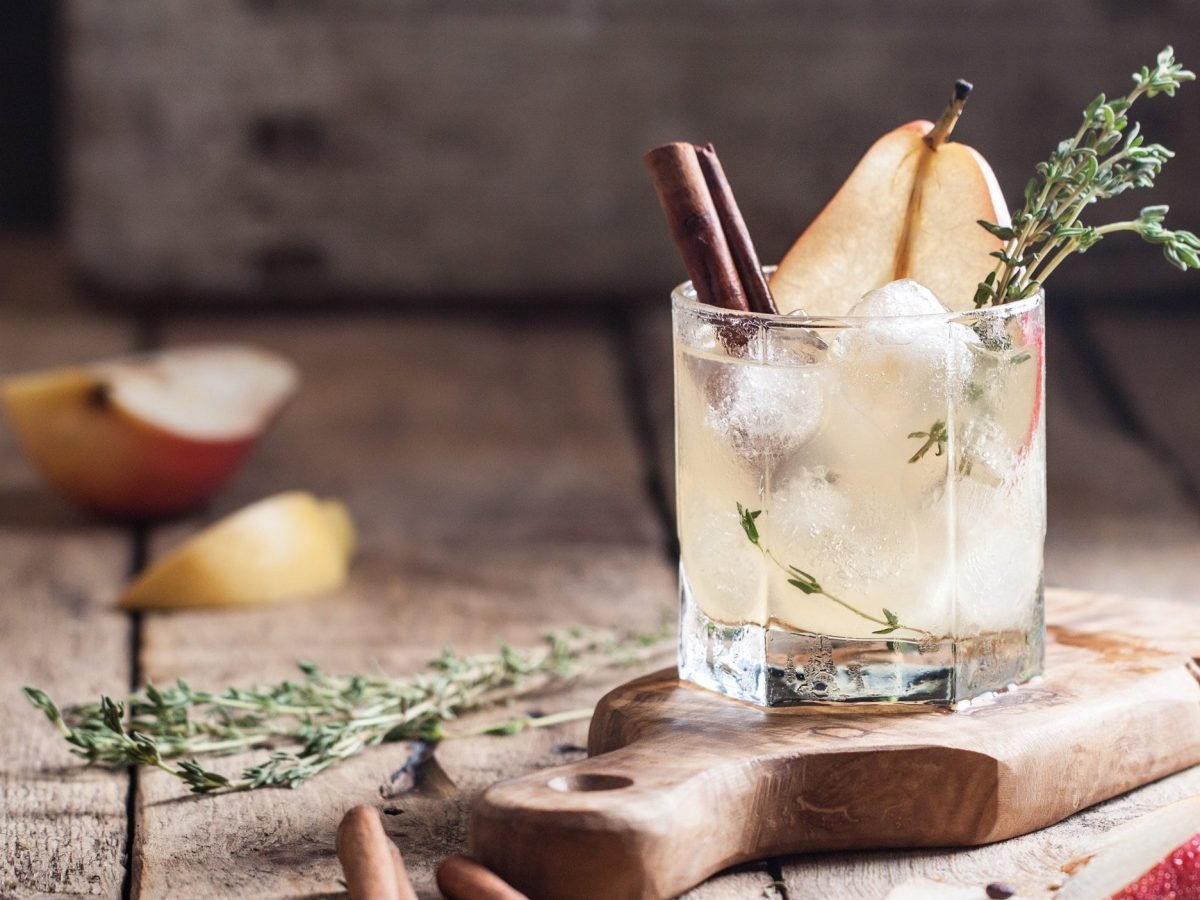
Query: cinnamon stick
737	236
695	225
460	878
371	864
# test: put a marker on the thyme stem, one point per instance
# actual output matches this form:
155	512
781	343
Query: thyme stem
1099	162
320	720
806	583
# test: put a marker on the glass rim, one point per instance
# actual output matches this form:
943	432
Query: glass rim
681	297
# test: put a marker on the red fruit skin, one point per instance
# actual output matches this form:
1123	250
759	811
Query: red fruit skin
1035	334
1175	877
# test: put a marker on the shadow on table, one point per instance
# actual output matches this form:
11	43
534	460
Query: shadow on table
40	509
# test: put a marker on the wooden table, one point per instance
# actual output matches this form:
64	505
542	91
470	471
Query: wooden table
509	471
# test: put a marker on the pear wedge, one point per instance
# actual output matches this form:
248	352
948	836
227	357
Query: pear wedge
910	209
285	547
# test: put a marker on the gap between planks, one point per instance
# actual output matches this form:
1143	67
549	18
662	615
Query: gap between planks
636	384
147	331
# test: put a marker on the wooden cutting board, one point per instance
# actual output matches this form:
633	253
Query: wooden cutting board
681	783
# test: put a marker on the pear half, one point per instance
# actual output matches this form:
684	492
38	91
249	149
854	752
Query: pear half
141	437
285	547
910	209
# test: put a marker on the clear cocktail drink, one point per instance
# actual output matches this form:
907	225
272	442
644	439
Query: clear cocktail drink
861	501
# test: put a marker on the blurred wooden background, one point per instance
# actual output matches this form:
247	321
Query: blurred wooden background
259	150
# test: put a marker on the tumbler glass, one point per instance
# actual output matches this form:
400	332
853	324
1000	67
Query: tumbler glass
861	502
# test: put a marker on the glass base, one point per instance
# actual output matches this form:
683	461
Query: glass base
773	666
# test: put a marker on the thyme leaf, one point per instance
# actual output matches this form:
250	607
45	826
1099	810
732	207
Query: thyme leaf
935	439
747	519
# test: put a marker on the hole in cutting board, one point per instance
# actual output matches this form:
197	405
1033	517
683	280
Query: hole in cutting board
589	782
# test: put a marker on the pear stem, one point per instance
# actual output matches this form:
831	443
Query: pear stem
941	129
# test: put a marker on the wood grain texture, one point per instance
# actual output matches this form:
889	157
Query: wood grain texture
497	492
1032	863
399	149
1118	520
1150	356
62	828
681	782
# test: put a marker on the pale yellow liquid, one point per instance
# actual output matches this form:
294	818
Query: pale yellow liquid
818	442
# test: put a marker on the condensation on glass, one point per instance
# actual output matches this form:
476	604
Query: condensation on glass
861	503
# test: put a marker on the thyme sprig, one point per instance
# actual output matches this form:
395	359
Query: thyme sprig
807	584
1106	157
935	439
319	720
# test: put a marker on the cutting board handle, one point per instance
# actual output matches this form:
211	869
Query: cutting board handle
653	818
636	822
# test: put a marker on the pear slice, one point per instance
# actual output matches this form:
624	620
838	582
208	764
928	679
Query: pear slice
152	435
285	547
910	209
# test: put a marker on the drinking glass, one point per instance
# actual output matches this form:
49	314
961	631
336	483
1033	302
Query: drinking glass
861	502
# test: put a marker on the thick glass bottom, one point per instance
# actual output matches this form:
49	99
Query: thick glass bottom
774	666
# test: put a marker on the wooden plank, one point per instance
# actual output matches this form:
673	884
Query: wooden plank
755	881
498	493
62	828
34	275
1118	520
1150	354
380	148
1031	863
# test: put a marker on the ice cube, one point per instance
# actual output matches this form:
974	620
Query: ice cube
726	573
986	454
764	411
999	532
904	297
859	540
794	345
901	363
853	531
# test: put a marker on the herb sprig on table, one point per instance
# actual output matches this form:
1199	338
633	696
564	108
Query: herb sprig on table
319	720
1106	157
